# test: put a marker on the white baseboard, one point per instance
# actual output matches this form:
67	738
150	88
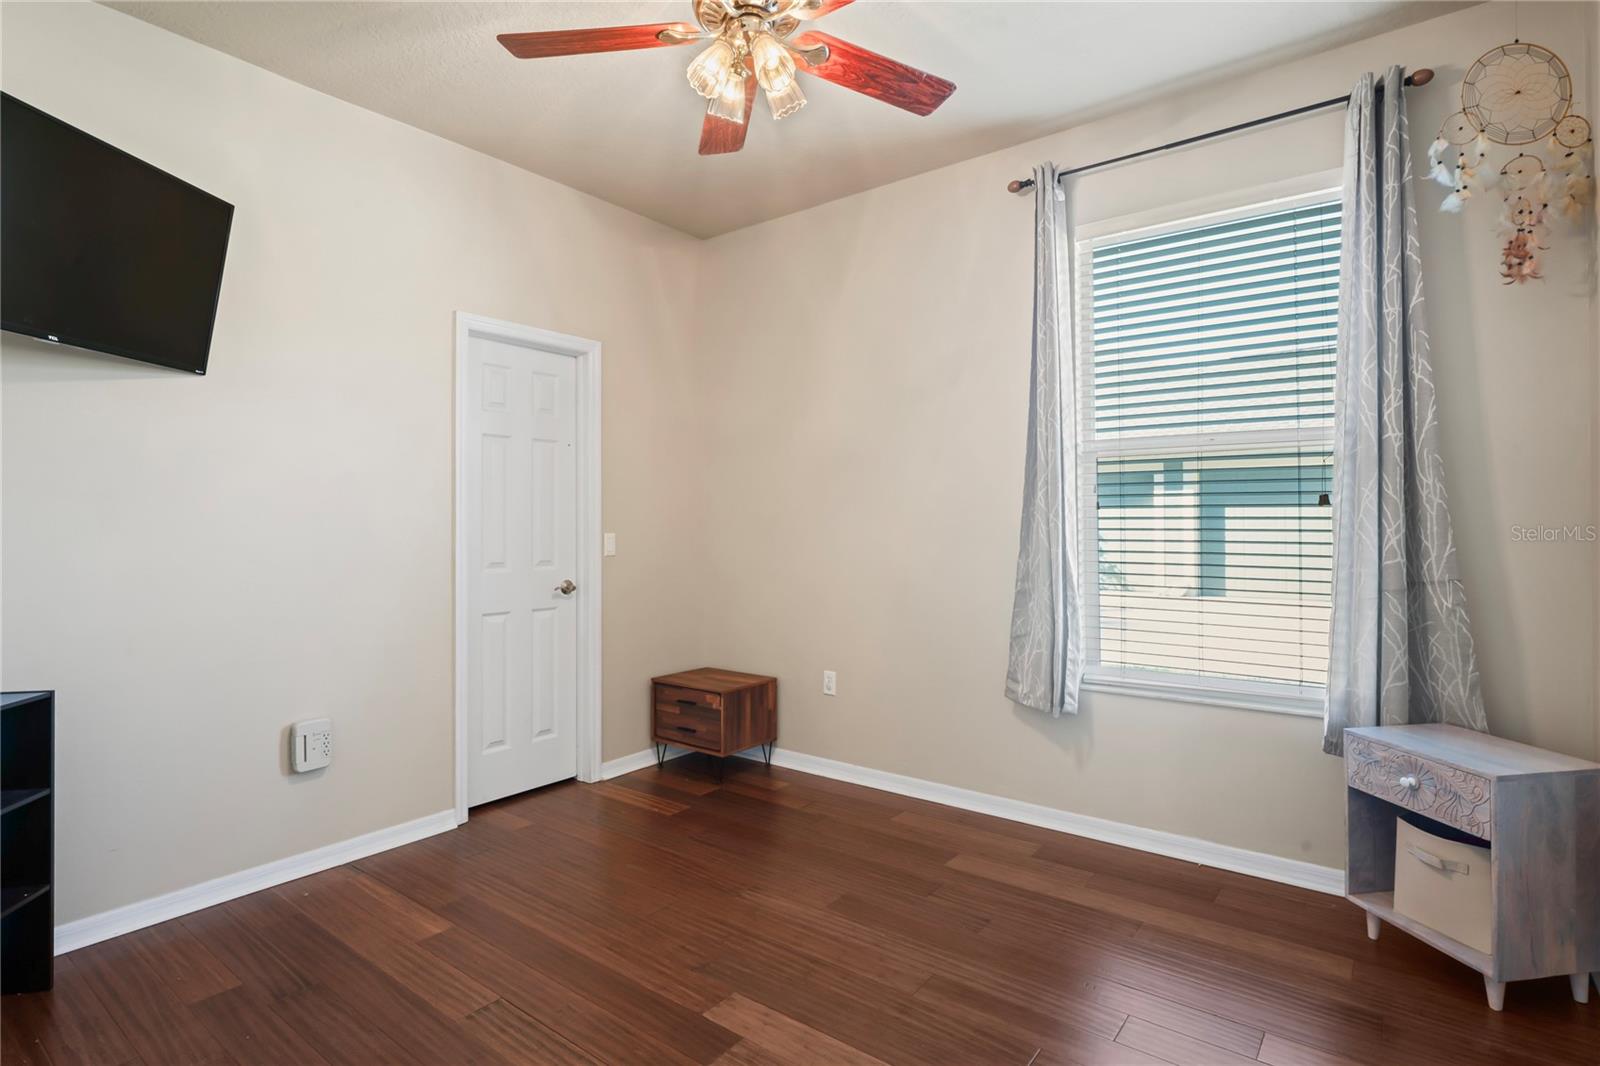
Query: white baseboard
639	760
107	924
627	764
1329	879
1190	849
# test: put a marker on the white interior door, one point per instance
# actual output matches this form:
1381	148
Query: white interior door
521	539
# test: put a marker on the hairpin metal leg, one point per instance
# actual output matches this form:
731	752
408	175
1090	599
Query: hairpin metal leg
661	756
766	753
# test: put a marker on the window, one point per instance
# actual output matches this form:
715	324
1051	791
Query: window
1206	453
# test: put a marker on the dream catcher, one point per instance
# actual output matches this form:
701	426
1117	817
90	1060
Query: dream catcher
1516	93
1520	96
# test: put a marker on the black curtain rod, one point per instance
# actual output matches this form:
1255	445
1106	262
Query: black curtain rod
1415	78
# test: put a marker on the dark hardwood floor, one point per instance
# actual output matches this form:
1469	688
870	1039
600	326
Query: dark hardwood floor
775	918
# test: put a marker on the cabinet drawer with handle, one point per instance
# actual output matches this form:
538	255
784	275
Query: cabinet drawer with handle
683	721
1443	792
673	696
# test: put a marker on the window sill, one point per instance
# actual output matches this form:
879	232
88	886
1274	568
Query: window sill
1241	695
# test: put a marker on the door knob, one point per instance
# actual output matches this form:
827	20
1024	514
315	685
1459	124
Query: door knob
567	588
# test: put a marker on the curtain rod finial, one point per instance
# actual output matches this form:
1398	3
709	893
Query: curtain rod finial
1420	77
1018	186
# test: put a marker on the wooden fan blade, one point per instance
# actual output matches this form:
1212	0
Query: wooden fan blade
718	136
876	76
816	8
603	39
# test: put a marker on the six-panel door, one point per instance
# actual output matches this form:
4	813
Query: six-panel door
521	534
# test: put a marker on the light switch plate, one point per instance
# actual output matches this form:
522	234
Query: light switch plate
611	544
311	744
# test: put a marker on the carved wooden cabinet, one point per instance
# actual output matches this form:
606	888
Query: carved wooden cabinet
1539	813
719	712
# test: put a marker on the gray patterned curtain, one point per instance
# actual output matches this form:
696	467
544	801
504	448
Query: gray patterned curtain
1399	647
1046	660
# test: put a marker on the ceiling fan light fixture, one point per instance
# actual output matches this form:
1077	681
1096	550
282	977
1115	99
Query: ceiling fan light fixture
729	103
788	101
750	43
713	69
774	66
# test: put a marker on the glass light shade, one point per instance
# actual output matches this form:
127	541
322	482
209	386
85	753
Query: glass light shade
729	103
774	65
787	102
712	68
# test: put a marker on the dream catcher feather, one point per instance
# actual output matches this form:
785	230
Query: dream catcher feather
1524	224
1457	134
1518	95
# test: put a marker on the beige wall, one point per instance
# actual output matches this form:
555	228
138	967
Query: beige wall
195	562
869	446
1594	273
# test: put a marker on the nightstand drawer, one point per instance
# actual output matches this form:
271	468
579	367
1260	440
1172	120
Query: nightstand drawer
1438	790
672	695
692	724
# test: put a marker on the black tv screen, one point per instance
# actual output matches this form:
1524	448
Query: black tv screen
101	250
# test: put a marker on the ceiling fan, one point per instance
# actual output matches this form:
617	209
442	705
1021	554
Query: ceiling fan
752	43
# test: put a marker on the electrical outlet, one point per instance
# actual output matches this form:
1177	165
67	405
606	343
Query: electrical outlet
611	544
311	744
830	683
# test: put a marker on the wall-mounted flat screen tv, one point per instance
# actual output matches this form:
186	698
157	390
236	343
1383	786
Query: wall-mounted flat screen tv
101	250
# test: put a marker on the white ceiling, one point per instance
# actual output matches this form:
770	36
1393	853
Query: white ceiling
625	126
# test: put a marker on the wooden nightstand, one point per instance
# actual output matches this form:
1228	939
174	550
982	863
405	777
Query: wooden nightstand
719	712
1538	811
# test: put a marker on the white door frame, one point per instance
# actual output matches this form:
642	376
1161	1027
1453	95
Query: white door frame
587	353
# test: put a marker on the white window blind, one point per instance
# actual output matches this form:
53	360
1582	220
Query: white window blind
1207	445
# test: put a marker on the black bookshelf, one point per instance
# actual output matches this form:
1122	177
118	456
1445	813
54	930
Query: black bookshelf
27	841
